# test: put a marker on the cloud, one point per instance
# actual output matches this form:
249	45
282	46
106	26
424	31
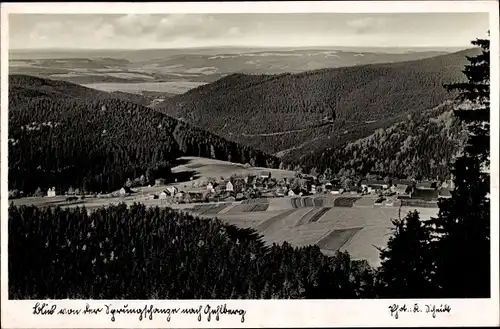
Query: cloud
45	30
134	24
362	25
105	31
189	30
165	28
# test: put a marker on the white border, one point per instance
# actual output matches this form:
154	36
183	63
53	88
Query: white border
263	313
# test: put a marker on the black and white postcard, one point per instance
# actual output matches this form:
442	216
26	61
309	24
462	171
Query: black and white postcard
249	164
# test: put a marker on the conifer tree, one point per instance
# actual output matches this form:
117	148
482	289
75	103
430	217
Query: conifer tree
462	228
406	261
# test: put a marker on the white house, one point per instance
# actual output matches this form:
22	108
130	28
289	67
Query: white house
291	193
313	189
122	191
163	195
210	188
51	192
229	187
172	190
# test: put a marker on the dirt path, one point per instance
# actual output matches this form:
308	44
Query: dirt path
277	133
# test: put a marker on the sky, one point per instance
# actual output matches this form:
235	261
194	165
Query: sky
143	31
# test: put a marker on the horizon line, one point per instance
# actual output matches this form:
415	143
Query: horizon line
245	46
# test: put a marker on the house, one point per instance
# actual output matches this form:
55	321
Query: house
313	189
448	184
179	196
271	183
444	193
280	192
210	188
51	192
122	191
336	189
427	194
159	181
265	175
375	184
219	188
407	182
268	194
367	188
164	194
402	189
403	197
258	186
229	187
291	193
426	185
171	190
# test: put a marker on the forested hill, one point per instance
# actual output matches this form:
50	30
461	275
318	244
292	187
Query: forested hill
287	111
421	146
62	135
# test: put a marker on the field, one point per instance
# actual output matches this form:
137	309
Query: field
171	87
345	223
358	230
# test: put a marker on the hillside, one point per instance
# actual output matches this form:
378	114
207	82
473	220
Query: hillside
62	135
163	254
421	146
329	106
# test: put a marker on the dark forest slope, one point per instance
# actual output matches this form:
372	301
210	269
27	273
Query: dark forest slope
421	146
62	134
281	112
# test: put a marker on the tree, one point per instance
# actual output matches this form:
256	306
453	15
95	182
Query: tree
38	192
462	228
407	260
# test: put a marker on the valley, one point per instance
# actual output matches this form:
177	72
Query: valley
247	155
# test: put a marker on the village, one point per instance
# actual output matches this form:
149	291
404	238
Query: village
202	180
239	187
